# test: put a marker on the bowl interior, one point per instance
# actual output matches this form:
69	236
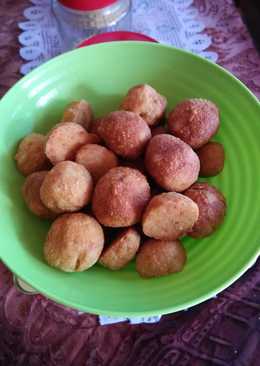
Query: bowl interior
102	74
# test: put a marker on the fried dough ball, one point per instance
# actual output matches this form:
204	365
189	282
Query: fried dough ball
64	140
120	197
30	156
31	195
169	216
96	159
194	121
122	250
145	101
159	258
95	125
125	133
93	138
67	187
78	112
74	242
212	208
171	162
212	157
159	130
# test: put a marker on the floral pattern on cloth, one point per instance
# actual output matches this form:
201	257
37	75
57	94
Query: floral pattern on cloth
172	22
231	41
224	331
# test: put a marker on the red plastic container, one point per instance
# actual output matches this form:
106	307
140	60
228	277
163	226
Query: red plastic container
116	36
88	5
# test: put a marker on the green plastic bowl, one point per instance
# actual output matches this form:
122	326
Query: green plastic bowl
102	74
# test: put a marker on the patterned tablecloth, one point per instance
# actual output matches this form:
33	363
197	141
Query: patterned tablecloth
223	331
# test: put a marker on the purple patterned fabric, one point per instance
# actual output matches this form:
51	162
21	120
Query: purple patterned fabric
231	41
224	331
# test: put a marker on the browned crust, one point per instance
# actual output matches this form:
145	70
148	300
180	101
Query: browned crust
146	102
98	160
93	138
159	258
194	121
212	208
67	187
64	140
125	133
78	112
169	216
30	156
31	195
212	158
74	242
122	250
120	197
171	162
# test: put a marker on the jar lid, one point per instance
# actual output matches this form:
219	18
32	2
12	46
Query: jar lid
115	36
87	5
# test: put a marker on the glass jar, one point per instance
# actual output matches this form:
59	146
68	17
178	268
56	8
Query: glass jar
81	19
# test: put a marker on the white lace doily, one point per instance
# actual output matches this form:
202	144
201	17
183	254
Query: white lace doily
171	22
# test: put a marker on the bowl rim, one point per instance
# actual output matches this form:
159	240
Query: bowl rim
146	44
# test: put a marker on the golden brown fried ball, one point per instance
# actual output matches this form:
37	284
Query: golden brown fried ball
64	140
159	258
93	138
171	162
67	187
95	125
78	112
96	159
145	101
169	216
212	157
30	156
120	197
74	242
212	208
194	121
122	250
125	133
31	195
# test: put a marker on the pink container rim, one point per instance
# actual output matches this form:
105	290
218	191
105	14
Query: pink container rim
88	5
116	36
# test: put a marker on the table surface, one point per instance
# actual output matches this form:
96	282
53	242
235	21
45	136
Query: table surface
222	331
